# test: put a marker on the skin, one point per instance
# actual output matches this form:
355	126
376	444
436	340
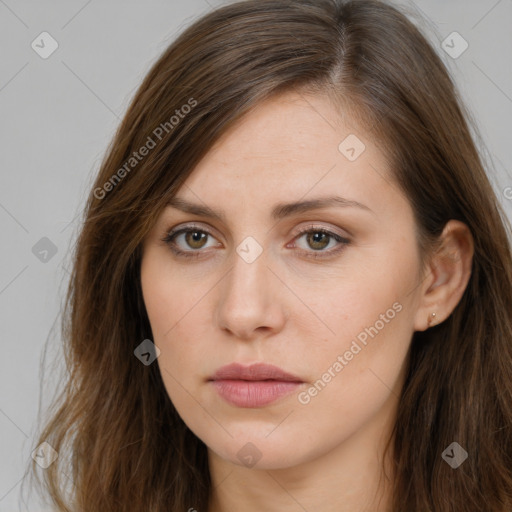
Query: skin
295	312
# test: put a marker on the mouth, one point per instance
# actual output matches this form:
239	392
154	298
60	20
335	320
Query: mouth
253	386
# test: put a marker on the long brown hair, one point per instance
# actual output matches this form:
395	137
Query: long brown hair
117	433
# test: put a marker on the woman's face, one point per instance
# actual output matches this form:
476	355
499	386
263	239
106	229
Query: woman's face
326	293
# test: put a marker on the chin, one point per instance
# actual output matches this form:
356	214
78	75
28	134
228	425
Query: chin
259	452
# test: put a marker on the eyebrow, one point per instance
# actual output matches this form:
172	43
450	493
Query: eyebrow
280	211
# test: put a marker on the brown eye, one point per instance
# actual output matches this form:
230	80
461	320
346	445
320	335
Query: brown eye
190	242
318	240
320	243
196	239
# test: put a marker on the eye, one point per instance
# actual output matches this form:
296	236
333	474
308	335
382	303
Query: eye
193	239
319	239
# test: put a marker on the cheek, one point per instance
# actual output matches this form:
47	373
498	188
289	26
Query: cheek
374	293
169	299
369	312
361	368
163	306
176	314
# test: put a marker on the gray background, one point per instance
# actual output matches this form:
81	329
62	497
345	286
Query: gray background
57	116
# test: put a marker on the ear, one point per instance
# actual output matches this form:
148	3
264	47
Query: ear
447	276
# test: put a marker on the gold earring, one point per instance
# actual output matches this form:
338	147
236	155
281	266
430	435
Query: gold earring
431	319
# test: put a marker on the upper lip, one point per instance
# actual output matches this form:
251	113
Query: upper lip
257	371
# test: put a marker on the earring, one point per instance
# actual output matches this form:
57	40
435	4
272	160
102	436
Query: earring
431	319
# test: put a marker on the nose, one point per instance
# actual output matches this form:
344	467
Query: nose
251	299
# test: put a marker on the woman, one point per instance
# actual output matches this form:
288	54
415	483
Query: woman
292	289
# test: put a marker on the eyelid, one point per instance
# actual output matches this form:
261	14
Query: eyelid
189	227
321	227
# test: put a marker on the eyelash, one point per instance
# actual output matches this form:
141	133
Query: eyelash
171	235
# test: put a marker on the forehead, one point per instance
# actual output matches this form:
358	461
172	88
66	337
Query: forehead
291	126
290	147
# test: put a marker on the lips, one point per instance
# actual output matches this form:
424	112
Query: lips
258	371
256	385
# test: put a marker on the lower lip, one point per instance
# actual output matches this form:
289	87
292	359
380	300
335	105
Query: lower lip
257	393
